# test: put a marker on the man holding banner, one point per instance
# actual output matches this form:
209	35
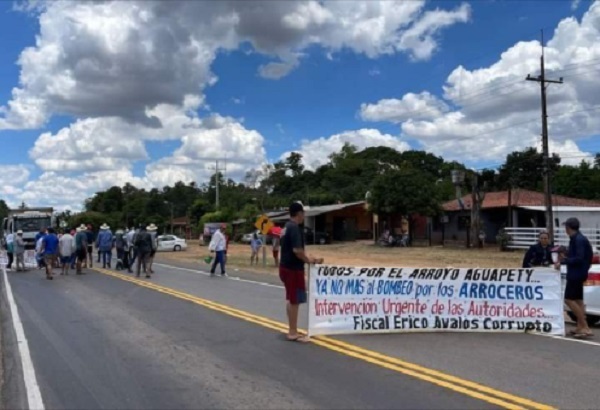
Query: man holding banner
291	269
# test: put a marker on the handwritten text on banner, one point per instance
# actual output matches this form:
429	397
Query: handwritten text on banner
375	300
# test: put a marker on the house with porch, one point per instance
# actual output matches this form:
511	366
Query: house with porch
518	208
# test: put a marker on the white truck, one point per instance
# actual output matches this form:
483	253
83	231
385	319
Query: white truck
28	220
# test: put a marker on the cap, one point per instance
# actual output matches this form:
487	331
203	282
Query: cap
572	223
296	207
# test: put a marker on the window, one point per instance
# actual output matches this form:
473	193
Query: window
32	224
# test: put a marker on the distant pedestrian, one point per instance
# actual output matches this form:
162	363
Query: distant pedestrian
10	249
578	261
153	237
81	247
291	269
66	246
218	245
276	247
50	251
19	249
143	245
255	246
39	253
120	248
105	243
91	239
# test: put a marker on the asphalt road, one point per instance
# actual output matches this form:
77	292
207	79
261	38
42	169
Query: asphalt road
102	341
99	342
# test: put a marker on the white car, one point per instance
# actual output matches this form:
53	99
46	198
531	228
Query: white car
591	294
171	243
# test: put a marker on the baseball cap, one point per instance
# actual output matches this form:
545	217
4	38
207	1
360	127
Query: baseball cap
296	207
572	223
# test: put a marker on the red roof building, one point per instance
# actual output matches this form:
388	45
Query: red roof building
519	198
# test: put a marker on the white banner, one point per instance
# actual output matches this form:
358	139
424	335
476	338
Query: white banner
381	300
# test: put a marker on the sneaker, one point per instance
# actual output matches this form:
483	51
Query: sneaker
224	275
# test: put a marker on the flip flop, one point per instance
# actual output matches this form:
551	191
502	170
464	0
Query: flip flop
583	335
298	339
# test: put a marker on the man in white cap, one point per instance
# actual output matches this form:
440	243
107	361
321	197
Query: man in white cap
19	249
81	246
105	243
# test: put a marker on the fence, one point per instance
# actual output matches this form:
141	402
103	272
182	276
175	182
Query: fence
523	238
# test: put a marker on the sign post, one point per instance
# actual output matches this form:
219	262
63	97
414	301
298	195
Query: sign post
264	225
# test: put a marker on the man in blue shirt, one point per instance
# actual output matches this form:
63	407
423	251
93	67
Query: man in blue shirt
50	251
578	261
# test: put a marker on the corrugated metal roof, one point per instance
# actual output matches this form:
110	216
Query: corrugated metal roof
310	211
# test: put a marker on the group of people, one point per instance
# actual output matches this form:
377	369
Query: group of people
74	249
577	258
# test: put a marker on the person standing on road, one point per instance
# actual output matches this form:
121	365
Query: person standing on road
152	231
218	245
81	247
255	245
276	247
104	243
578	262
50	251
539	254
291	269
66	246
90	240
19	249
10	249
143	245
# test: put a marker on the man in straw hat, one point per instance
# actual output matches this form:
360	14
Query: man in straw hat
152	231
81	246
104	243
143	245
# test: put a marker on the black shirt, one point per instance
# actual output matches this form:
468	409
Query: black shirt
537	255
292	239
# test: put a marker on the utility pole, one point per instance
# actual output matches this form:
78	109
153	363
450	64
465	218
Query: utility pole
217	170
545	151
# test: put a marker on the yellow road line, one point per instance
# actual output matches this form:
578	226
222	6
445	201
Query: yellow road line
469	388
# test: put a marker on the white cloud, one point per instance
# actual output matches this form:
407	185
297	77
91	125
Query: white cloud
124	58
488	112
316	152
411	106
12	178
236	148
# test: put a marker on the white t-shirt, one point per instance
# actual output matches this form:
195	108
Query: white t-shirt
66	245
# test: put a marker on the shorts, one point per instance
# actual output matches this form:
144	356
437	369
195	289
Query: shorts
574	290
295	286
50	260
65	260
81	254
90	249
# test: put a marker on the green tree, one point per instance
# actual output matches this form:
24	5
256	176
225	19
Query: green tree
405	192
525	169
3	209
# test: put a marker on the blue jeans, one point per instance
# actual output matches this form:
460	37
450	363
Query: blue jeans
219	260
106	257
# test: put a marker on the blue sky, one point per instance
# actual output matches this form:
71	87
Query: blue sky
317	100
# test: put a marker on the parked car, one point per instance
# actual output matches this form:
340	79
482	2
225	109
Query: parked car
591	295
311	237
171	243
